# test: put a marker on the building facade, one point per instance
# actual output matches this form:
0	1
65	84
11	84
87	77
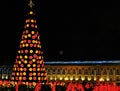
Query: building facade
75	71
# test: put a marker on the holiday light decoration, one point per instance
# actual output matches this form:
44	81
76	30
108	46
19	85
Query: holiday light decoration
29	64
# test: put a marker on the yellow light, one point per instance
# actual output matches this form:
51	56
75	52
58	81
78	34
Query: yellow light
33	41
34	65
34	74
31	12
51	78
18	51
36	51
28	65
20	78
34	83
40	62
17	74
24	73
30	69
32	20
38	46
76	78
89	78
33	60
38	78
61	78
27	25
32	32
21	69
31	51
35	26
21	41
14	69
66	78
29	35
95	79
39	57
83	78
107	79
38	69
101	79
71	78
36	42
23	45
25	56
19	62
30	78
20	57
25	61
25	36
26	44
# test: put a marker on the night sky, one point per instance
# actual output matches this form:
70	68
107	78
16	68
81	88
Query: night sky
69	30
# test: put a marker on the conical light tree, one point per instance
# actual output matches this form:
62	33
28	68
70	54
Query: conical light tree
29	64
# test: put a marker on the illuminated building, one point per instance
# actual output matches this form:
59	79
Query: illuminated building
79	71
84	71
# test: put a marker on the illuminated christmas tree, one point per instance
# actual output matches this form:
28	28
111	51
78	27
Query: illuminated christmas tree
29	64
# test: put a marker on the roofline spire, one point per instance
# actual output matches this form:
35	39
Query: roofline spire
31	4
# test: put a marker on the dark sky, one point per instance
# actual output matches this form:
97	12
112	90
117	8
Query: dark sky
69	30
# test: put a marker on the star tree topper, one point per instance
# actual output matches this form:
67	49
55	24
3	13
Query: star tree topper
31	4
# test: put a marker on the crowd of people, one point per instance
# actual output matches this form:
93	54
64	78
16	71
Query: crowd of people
68	86
98	86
